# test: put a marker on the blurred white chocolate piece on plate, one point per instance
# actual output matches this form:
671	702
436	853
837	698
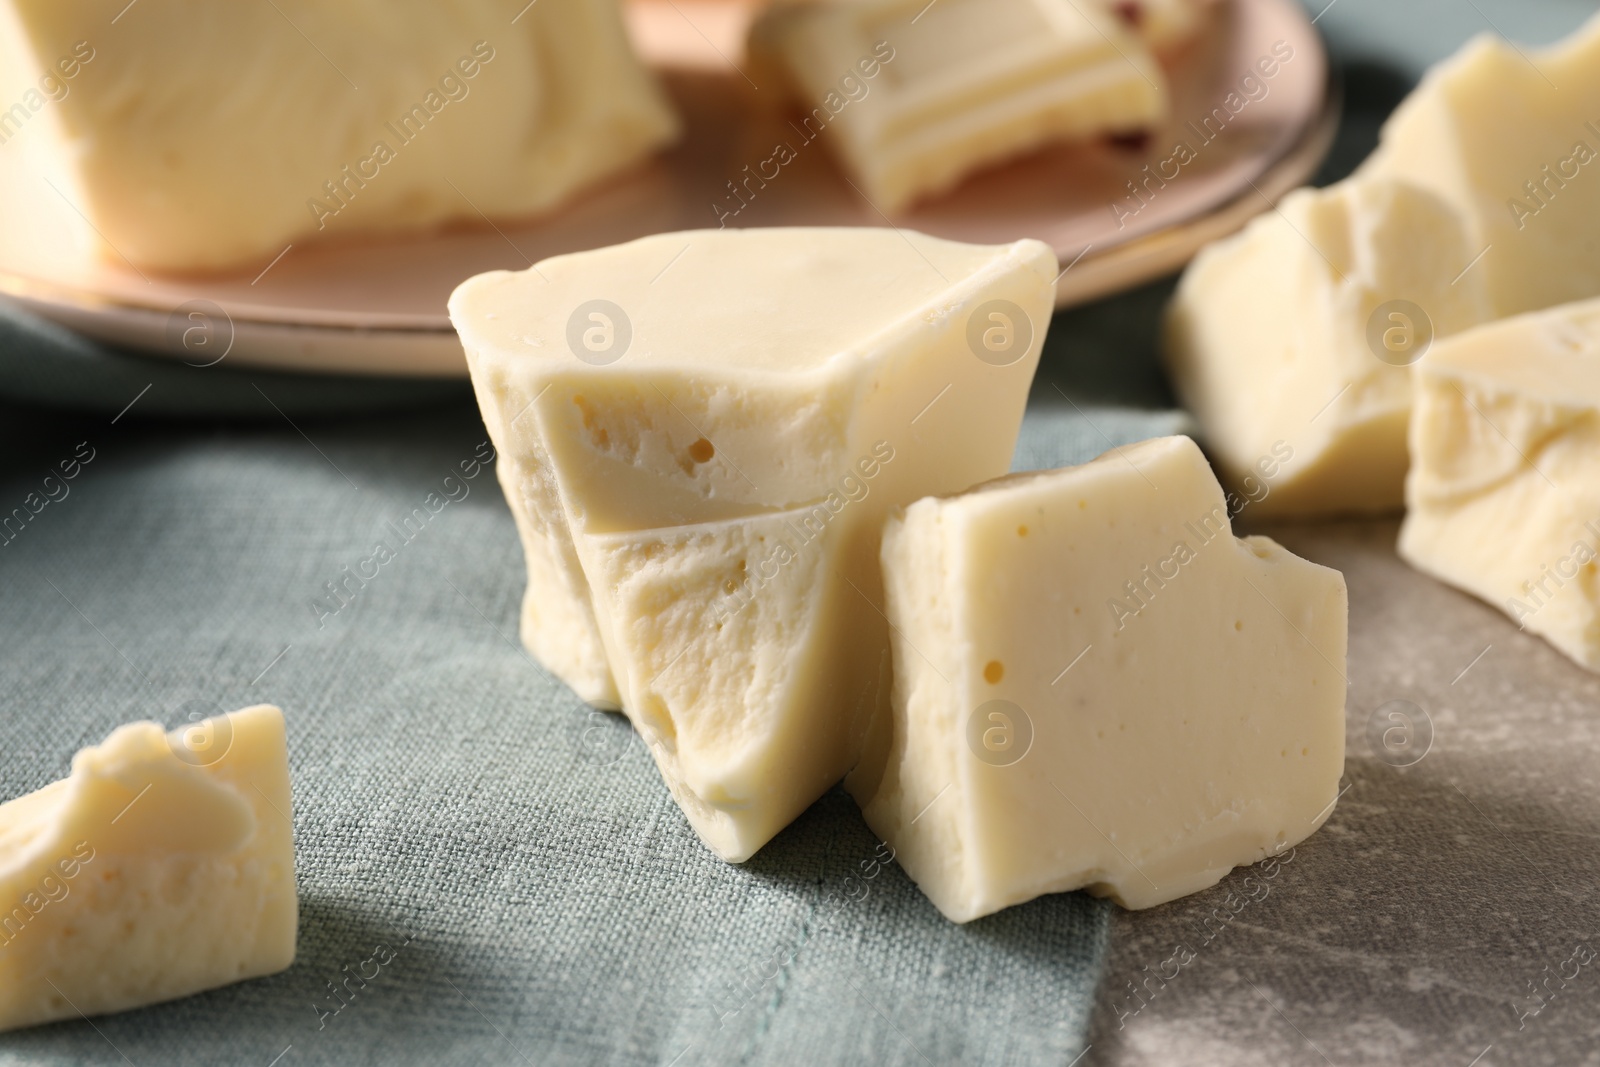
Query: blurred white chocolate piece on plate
1164	25
194	137
913	97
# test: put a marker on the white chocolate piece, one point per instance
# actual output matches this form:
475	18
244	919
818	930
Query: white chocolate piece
1504	493
163	866
206	137
914	97
1171	698
755	668
1490	132
557	622
747	389
1271	342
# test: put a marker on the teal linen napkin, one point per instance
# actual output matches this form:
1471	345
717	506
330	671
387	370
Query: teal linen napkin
507	860
456	808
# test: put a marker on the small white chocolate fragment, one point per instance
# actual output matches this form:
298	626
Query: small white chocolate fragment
1290	342
1097	686
913	97
1504	493
163	866
700	434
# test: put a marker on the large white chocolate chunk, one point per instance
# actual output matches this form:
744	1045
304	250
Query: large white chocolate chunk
748	370
163	866
743	389
913	96
1097	686
197	137
1511	138
1504	493
1290	341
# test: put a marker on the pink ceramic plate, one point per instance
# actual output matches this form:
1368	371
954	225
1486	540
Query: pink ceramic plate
378	306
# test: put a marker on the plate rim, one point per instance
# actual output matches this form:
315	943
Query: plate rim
1306	153
1121	264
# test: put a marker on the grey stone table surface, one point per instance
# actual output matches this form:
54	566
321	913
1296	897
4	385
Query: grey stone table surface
1444	913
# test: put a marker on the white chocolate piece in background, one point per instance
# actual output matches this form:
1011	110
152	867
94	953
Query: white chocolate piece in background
1164	25
163	866
201	137
1171	698
1504	493
958	85
668	411
1511	138
1284	342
